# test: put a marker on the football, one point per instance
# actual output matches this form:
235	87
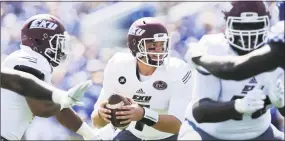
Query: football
115	102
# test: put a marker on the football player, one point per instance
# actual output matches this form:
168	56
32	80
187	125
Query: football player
234	110
158	85
43	39
28	85
261	60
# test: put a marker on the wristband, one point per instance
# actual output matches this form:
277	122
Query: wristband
86	131
150	117
57	96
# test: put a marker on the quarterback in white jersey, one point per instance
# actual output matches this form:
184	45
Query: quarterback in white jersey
42	47
227	109
159	85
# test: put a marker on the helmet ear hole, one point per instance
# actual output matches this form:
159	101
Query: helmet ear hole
134	42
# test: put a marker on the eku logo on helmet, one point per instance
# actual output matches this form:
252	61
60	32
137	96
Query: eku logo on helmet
43	24
136	31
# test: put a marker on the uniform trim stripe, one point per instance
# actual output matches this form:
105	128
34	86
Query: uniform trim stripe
186	77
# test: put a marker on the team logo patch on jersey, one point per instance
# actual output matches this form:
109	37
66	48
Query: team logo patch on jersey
159	85
122	80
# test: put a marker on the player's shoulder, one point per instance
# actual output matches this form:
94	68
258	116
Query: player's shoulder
27	57
278	27
214	44
178	70
14	55
213	39
278	71
176	63
121	58
276	33
120	61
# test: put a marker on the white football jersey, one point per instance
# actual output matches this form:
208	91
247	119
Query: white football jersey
16	115
167	90
209	86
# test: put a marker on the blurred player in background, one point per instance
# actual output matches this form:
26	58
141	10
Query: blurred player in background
253	63
28	85
261	60
43	46
235	110
159	85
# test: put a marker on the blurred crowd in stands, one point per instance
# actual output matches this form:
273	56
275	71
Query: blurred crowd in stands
98	30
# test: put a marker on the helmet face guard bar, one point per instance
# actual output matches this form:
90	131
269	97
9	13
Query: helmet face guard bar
59	50
247	39
144	54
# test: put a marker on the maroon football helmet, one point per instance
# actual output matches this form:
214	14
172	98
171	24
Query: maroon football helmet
247	24
46	35
148	41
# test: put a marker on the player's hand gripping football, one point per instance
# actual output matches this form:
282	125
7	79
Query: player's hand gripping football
253	101
72	96
132	112
276	92
103	112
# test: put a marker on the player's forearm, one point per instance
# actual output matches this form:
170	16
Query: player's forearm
97	121
69	119
220	66
43	108
168	123
11	81
242	67
209	111
24	84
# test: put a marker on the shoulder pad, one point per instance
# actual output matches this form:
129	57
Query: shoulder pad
276	34
214	44
179	70
120	57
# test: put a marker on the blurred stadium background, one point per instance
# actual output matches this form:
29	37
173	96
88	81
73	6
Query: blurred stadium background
98	30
